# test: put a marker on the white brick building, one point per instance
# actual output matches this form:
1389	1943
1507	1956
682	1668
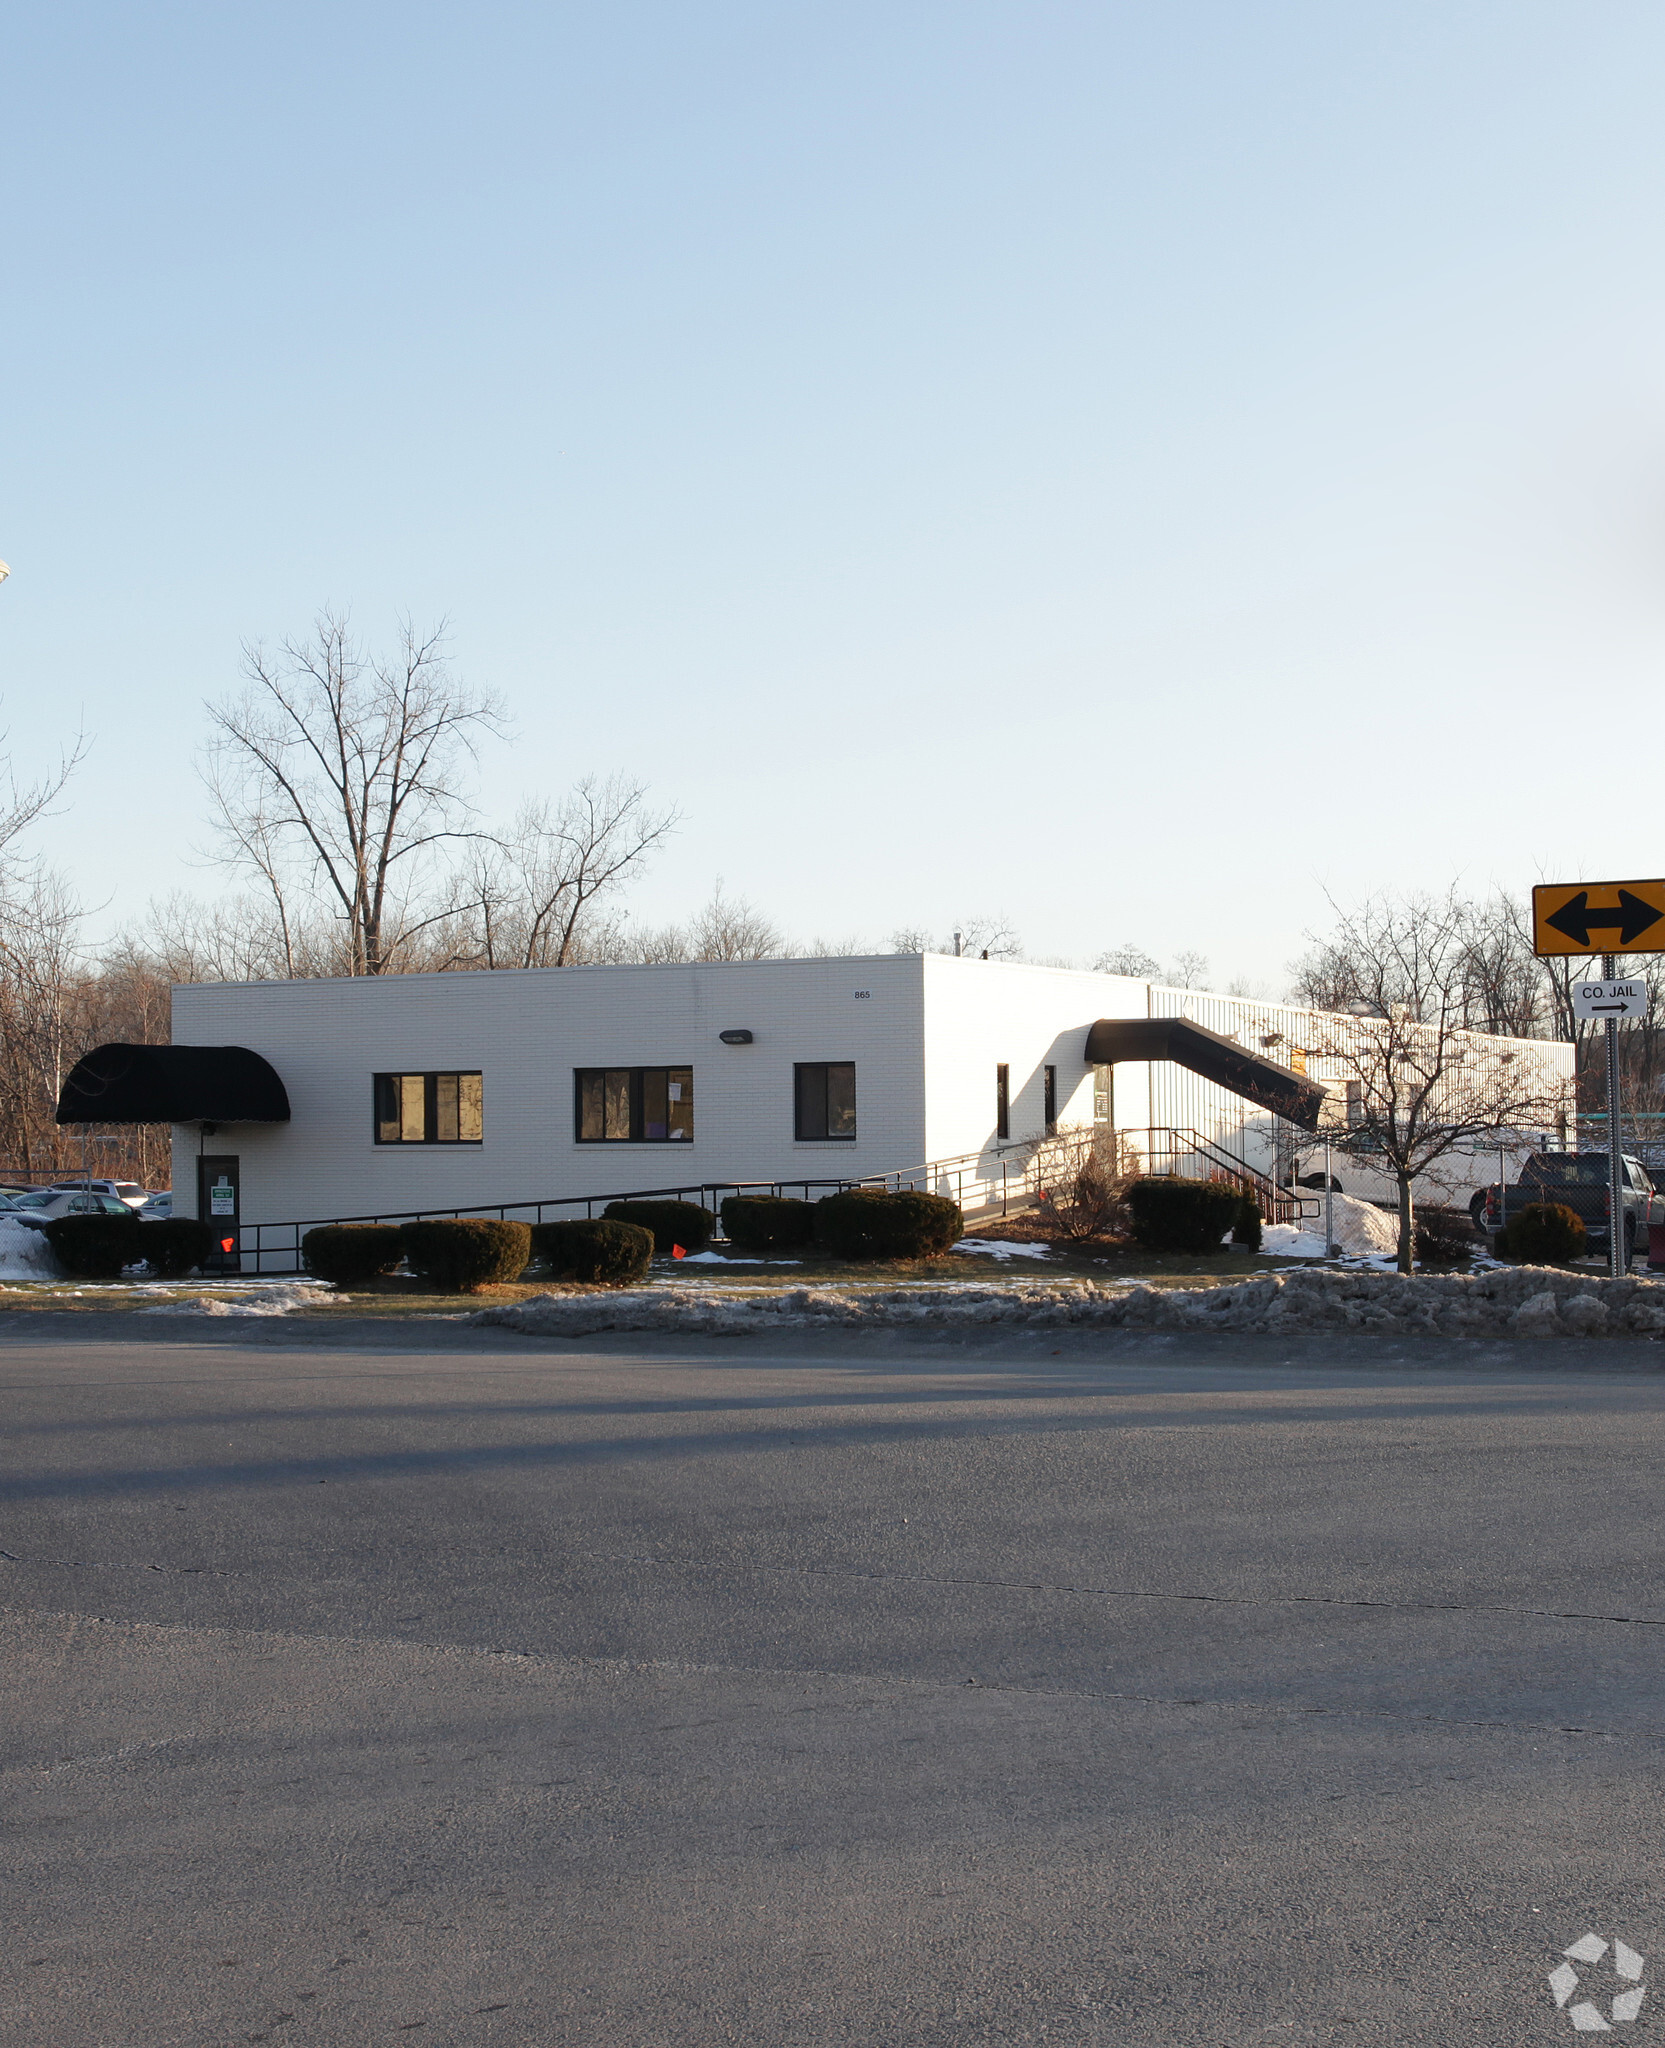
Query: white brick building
445	1091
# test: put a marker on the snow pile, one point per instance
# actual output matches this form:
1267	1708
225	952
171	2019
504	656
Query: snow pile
25	1253
1525	1301
1361	1229
277	1299
1003	1248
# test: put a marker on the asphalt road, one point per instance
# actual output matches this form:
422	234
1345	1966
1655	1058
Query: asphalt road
450	1688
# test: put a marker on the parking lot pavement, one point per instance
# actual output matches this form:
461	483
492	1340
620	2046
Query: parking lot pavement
441	1686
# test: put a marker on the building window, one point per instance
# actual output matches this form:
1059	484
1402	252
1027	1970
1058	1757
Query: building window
1050	1076
1002	1102
428	1109
635	1105
825	1099
1104	1095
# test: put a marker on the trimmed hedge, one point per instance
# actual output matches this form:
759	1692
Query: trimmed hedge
869	1223
768	1223
465	1253
672	1223
1543	1234
95	1247
604	1251
1172	1214
1246	1229
349	1254
172	1245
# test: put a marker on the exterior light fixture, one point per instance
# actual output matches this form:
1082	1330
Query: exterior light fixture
1271	1038
735	1037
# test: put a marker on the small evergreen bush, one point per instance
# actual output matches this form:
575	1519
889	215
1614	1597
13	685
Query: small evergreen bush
1245	1231
95	1247
349	1254
465	1253
672	1223
768	1223
172	1245
1172	1214
869	1223
604	1252
1543	1234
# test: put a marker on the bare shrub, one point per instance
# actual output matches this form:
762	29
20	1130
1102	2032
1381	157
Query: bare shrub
1083	1174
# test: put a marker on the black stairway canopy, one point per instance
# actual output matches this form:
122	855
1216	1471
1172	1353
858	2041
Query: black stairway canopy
172	1084
1217	1059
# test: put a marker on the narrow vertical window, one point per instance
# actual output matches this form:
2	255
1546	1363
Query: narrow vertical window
1002	1102
413	1109
1104	1095
1050	1075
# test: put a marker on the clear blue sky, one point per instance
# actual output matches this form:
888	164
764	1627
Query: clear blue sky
1133	467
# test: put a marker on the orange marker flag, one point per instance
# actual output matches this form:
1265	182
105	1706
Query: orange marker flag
677	1252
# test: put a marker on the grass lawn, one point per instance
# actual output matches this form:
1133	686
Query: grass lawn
1099	1259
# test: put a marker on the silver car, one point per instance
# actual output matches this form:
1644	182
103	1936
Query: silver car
38	1210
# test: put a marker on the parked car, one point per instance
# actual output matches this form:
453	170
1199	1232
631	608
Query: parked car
128	1191
159	1208
1578	1181
37	1210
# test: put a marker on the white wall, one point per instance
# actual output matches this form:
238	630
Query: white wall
981	1014
526	1032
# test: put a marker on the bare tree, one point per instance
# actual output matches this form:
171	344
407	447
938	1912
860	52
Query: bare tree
1420	1083
726	930
1132	961
336	776
973	938
1190	970
537	897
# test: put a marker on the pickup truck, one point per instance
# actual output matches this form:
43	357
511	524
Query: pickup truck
1578	1181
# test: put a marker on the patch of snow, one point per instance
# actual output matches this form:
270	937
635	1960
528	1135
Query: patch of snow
25	1254
1003	1248
270	1300
724	1259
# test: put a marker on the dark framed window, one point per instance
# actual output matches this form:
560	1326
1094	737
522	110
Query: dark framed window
1050	1077
1002	1102
634	1105
429	1109
824	1099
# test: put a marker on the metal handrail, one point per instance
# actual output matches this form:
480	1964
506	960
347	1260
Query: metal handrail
1277	1204
275	1248
977	1182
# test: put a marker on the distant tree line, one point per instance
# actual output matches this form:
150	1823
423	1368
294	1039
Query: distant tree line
341	802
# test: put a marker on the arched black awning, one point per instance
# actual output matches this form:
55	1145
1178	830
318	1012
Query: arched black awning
172	1084
1217	1059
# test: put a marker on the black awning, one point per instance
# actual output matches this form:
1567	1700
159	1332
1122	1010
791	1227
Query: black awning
172	1084
1217	1059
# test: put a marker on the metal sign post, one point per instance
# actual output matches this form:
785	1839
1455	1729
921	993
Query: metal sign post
1617	1263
